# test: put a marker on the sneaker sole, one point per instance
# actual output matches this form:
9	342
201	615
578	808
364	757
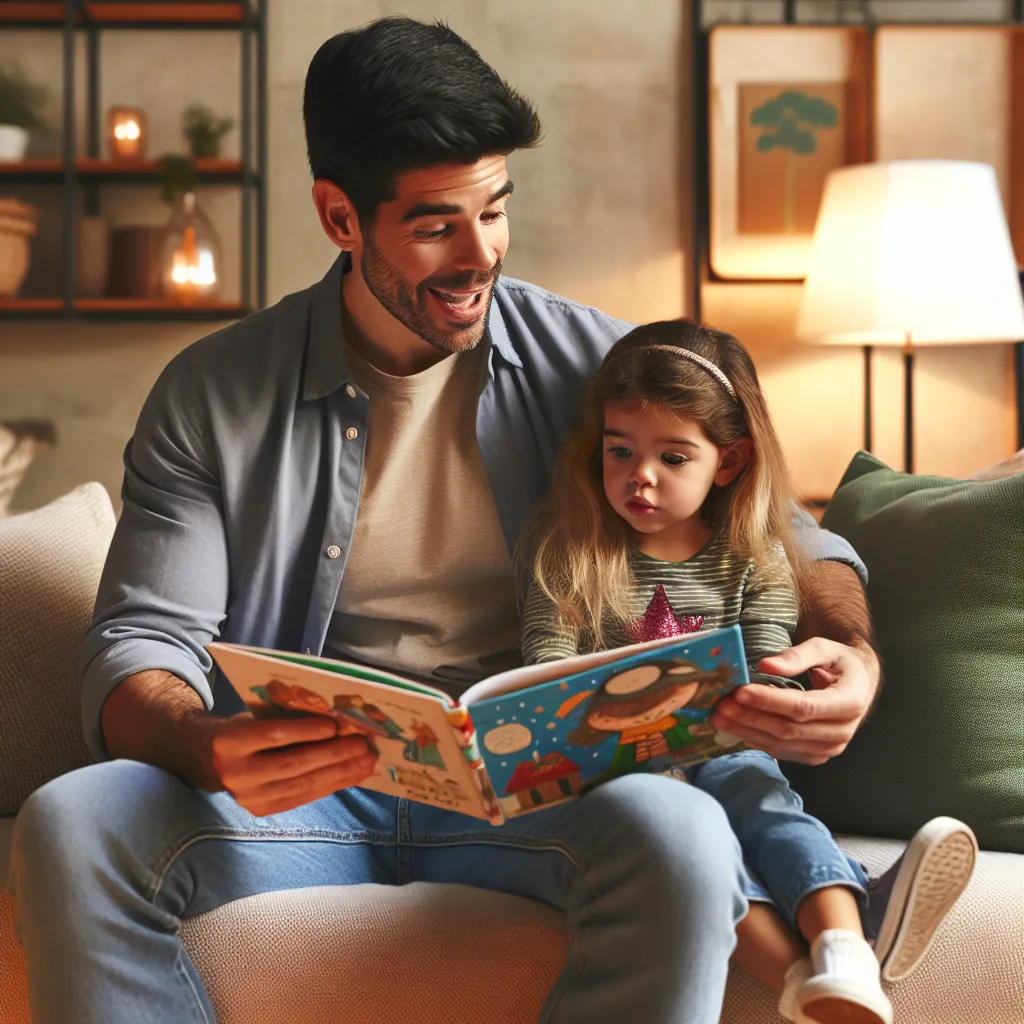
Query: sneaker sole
936	869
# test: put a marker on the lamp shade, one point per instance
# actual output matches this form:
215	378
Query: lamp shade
912	250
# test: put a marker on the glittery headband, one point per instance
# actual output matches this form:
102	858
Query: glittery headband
694	358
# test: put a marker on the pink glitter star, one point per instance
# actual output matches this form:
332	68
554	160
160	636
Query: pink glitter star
659	621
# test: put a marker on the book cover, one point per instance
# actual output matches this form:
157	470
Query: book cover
647	712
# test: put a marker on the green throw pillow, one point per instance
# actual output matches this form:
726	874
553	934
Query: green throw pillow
946	565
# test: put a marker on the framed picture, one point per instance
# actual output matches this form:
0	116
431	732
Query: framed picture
955	92
787	105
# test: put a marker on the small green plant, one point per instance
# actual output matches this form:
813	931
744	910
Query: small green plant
204	130
177	176
21	100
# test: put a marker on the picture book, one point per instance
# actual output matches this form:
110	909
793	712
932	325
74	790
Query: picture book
519	741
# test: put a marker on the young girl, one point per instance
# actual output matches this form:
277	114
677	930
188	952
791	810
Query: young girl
670	511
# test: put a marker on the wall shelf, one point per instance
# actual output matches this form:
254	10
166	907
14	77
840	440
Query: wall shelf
84	175
196	14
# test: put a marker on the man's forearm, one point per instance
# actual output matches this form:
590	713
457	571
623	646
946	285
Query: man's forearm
834	606
157	718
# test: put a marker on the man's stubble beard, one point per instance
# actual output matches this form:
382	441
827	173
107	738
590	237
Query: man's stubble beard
408	304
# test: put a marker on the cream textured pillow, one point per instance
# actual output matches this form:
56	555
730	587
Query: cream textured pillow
50	565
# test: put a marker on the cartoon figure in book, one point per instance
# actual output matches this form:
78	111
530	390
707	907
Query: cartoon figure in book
422	748
423	784
366	717
290	697
653	708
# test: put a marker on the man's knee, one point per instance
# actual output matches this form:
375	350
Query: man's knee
671	823
72	814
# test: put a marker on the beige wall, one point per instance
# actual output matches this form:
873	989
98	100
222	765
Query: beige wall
599	211
600	214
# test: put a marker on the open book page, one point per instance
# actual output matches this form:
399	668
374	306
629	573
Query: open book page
421	752
644	710
530	675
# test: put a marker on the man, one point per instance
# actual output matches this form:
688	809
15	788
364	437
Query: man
348	471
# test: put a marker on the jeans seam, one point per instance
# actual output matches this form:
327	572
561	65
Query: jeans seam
527	843
180	967
190	839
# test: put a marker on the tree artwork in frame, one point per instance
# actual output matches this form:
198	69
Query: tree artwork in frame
787	105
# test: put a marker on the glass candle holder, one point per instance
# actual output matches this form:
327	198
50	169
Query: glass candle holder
191	256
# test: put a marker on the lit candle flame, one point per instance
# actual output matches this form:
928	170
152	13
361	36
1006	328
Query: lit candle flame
127	130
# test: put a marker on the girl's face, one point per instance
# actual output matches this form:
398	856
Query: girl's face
658	469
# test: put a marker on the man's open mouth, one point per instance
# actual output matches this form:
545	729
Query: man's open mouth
460	306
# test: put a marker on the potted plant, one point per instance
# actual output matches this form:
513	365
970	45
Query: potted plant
204	130
21	105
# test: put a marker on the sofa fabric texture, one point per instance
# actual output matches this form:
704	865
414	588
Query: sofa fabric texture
50	565
946	584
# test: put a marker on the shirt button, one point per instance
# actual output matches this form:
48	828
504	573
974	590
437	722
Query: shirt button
333	551
351	433
350	391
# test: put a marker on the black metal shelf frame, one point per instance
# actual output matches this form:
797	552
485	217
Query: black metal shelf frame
251	177
701	188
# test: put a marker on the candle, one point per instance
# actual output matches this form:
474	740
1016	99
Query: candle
126	133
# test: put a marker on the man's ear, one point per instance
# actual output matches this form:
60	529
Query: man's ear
337	215
733	460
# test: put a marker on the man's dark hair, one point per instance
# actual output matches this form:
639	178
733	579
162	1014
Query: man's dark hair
400	94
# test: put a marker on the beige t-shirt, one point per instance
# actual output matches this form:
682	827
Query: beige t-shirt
428	581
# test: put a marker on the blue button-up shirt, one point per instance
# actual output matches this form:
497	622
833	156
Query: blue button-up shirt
241	484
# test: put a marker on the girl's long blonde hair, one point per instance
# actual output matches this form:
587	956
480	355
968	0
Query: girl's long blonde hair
576	544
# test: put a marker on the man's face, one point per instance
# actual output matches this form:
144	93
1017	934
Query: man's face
432	254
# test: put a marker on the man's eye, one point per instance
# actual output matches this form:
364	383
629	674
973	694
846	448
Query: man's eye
492	216
619	452
438	233
673	458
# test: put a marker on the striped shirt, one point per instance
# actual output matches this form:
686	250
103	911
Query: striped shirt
712	589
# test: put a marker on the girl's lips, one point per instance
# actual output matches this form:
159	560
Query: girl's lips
638	507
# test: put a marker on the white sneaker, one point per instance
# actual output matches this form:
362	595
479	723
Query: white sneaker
921	887
845	987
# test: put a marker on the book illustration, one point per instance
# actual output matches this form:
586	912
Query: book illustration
421	785
544	780
422	747
655	711
648	713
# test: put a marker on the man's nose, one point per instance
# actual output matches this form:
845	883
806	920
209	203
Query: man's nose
476	251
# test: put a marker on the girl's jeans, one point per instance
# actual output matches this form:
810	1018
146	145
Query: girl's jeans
788	853
108	859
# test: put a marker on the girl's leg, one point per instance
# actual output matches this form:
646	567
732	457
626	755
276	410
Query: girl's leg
766	947
832	907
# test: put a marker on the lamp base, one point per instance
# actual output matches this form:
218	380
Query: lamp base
908	406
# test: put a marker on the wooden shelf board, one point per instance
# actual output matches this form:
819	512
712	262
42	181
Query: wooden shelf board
127	13
20	167
112	305
90	165
15	302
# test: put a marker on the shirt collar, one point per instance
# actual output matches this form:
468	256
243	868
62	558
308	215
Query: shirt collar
327	368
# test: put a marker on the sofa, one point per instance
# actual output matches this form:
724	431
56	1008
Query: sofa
374	953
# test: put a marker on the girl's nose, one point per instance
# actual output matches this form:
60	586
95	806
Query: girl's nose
643	475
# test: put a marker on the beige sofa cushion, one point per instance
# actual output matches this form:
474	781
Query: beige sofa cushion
370	954
50	565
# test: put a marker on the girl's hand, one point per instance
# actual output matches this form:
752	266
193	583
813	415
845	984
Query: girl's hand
807	726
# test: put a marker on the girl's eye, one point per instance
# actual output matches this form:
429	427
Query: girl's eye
619	452
673	458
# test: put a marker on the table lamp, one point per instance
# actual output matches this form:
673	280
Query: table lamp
911	253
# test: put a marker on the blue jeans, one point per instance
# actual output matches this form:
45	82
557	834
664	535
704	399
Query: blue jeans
788	853
108	859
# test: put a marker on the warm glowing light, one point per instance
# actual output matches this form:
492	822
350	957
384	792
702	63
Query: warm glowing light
126	133
128	130
198	273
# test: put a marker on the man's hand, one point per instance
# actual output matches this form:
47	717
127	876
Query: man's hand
273	765
809	726
268	765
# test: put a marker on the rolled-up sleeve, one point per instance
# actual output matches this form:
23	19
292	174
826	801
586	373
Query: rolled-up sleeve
164	587
825	546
